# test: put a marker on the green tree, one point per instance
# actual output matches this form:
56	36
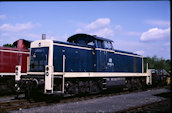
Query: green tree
8	45
157	63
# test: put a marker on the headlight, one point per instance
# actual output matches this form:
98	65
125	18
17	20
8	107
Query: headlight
47	68
46	73
16	85
16	68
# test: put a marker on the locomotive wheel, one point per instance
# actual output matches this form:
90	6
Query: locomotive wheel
94	87
143	82
83	86
71	88
28	90
138	84
134	84
11	84
128	84
27	94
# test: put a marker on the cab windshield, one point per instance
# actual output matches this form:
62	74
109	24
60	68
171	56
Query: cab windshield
39	58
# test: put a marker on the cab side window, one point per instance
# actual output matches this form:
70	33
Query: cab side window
100	44
111	45
91	43
108	45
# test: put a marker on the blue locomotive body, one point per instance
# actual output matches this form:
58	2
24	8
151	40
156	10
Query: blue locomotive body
85	53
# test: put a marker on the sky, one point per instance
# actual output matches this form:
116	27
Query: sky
142	27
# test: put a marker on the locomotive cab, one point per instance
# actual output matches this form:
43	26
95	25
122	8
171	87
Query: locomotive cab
102	51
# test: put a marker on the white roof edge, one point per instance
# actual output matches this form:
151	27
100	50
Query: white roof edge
41	43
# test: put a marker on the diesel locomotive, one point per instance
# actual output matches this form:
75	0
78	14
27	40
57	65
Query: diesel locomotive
9	58
83	64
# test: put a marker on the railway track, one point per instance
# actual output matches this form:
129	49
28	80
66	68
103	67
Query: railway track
19	104
24	104
160	106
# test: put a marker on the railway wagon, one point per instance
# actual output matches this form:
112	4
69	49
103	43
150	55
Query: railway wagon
9	58
83	64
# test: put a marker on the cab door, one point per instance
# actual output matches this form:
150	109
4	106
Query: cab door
107	57
103	56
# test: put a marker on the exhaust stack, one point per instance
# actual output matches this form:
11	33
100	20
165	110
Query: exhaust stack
43	36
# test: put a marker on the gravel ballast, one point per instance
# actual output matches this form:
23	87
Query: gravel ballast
102	104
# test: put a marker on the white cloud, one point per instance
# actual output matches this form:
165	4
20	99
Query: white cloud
161	49
155	34
99	23
11	33
140	52
100	27
2	16
103	32
158	22
120	31
18	27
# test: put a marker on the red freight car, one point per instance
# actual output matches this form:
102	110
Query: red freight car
10	57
